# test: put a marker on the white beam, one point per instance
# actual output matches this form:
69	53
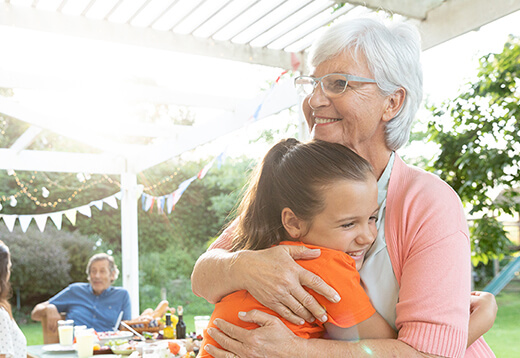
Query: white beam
26	139
129	238
39	20
409	8
129	91
280	97
61	162
457	17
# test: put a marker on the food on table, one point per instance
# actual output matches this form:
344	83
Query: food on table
174	347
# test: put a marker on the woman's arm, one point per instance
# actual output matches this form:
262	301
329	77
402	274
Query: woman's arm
371	328
274	339
483	312
270	275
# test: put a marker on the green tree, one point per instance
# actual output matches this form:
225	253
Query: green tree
479	134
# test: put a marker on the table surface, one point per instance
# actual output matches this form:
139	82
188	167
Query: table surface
37	351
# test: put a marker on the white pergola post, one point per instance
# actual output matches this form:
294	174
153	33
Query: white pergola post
129	239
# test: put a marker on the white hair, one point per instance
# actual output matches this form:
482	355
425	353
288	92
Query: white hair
392	53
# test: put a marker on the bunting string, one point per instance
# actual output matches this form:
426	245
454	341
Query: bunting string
148	201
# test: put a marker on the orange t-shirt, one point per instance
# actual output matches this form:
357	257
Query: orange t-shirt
336	268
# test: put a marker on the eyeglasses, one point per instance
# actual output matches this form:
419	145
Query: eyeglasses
332	85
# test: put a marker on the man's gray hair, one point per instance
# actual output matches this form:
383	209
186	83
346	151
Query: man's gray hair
111	264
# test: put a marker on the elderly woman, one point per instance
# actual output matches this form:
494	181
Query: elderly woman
95	304
365	89
12	341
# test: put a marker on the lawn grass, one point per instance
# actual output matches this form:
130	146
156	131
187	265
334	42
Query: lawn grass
502	338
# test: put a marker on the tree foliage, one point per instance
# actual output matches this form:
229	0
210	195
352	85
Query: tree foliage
479	138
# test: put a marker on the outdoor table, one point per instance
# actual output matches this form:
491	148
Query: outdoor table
38	352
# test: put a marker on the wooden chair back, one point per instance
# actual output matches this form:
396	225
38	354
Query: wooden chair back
50	337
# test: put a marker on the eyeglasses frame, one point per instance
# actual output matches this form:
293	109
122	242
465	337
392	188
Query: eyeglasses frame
347	77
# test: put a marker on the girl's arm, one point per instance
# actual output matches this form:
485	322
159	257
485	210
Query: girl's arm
483	312
371	328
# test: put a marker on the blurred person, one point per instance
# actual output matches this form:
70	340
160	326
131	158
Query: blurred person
12	341
96	304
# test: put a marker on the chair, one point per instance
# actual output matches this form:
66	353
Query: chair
48	336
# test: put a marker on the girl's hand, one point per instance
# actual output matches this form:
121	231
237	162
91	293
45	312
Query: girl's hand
271	339
483	311
276	281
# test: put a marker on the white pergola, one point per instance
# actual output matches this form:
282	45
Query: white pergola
256	32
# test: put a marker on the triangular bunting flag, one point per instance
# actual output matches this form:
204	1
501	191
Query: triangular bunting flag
111	200
56	219
118	195
24	220
9	221
41	221
85	210
205	170
169	203
149	202
98	204
71	215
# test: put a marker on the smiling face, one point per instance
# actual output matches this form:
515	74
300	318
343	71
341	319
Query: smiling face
348	222
356	118
100	277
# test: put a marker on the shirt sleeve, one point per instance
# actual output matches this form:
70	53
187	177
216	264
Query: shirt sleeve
430	234
6	340
339	271
62	299
127	306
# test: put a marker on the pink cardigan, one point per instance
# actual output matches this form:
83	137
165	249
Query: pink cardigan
428	244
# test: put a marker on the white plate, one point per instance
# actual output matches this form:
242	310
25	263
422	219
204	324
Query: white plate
121	335
58	348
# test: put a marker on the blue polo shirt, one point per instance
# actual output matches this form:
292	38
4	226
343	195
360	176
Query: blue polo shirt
85	308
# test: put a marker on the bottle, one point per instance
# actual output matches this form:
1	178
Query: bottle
168	331
181	326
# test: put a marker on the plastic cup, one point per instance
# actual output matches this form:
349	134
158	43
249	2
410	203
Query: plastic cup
201	323
66	332
85	343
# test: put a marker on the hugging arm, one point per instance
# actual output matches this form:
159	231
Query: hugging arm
483	311
371	328
270	275
274	339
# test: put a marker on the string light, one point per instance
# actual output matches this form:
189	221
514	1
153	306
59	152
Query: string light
82	177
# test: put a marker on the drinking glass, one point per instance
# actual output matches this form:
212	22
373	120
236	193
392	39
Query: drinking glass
85	343
66	332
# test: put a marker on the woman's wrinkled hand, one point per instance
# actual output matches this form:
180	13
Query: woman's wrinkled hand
276	281
271	339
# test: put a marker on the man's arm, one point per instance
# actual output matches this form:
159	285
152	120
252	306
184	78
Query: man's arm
49	311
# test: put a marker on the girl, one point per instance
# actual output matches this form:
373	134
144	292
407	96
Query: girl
324	196
12	340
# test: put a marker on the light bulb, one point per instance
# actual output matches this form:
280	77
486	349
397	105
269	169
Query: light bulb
13	201
45	192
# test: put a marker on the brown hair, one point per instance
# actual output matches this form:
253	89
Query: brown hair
5	286
292	175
